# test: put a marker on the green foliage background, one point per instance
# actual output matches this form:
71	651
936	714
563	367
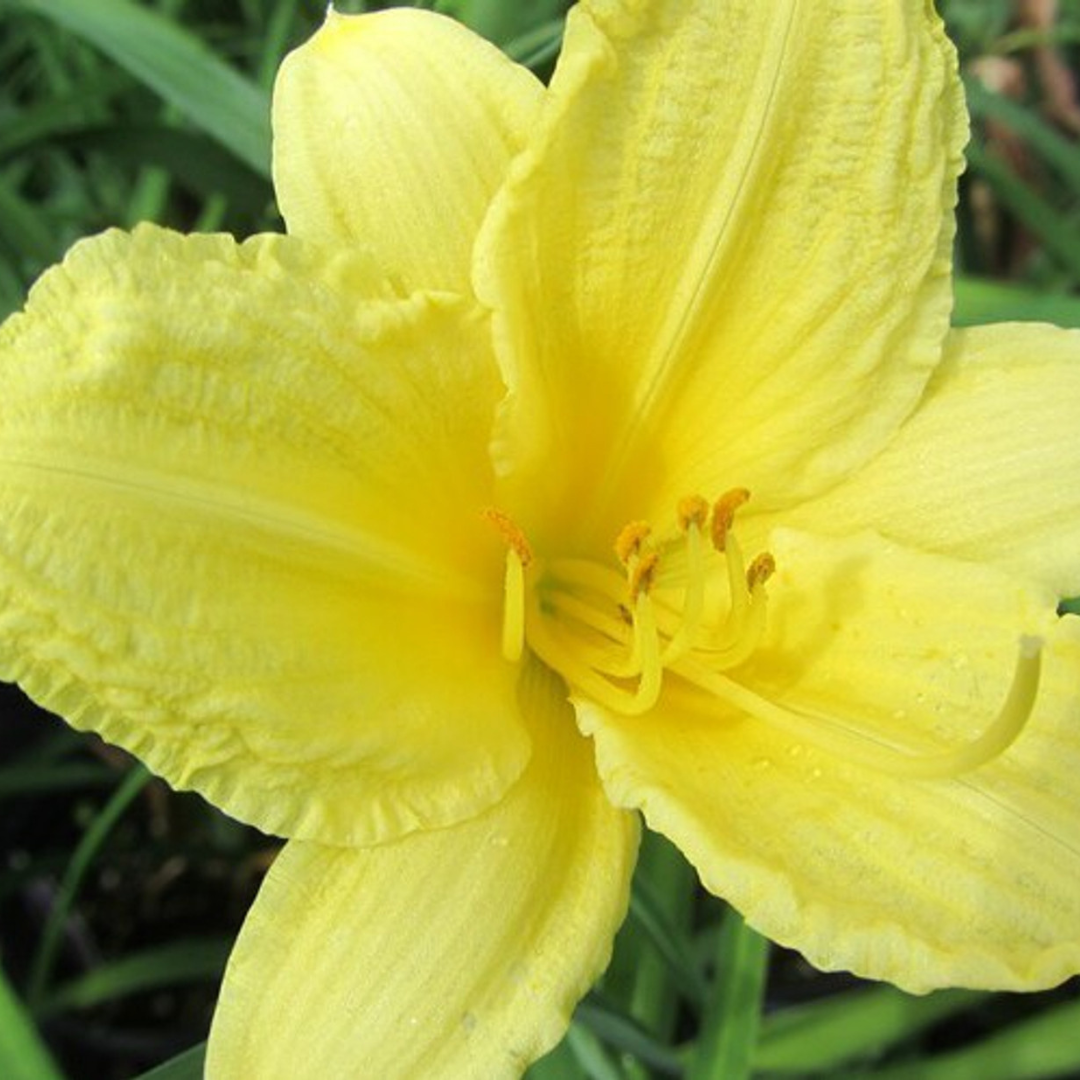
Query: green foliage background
118	898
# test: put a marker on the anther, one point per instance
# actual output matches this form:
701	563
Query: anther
643	574
693	510
724	515
761	568
628	542
511	533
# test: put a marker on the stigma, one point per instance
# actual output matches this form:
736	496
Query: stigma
683	603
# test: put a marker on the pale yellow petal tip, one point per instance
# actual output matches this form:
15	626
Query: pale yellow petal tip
334	22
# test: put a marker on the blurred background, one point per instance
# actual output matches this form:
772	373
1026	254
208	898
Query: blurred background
119	899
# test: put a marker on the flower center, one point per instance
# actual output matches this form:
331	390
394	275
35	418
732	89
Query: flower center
614	634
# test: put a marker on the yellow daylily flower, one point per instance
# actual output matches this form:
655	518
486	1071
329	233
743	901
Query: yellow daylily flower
358	531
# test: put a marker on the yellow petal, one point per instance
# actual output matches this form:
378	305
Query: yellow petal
988	467
724	258
458	953
968	880
393	130
240	533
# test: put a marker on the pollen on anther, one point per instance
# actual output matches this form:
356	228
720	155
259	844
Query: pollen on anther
511	533
761	568
724	515
692	510
628	542
643	574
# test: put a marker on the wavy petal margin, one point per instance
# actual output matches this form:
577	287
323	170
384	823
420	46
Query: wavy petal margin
968	880
723	260
217	493
393	130
456	954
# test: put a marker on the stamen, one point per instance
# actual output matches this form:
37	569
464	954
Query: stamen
864	748
693	512
511	533
742	637
724	515
513	628
607	634
761	568
628	542
518	556
643	574
566	660
740	601
647	652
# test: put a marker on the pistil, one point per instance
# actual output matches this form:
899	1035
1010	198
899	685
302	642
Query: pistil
846	741
613	636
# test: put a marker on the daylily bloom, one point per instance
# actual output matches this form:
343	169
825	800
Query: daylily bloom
581	452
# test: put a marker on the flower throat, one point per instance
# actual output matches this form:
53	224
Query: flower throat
613	636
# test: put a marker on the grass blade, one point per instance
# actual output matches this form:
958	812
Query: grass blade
1058	237
194	960
186	1066
844	1027
979	301
175	65
1040	1048
23	1055
725	1047
81	860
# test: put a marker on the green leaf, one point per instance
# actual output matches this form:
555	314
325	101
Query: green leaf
844	1027
186	1066
559	1064
81	861
20	779
23	227
1040	1048
177	66
1060	238
648	909
1058	152
980	301
499	21
537	46
725	1046
591	1055
625	1034
197	164
23	1055
194	960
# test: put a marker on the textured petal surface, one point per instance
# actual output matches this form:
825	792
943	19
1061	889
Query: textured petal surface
240	531
394	130
988	467
724	258
969	880
455	954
